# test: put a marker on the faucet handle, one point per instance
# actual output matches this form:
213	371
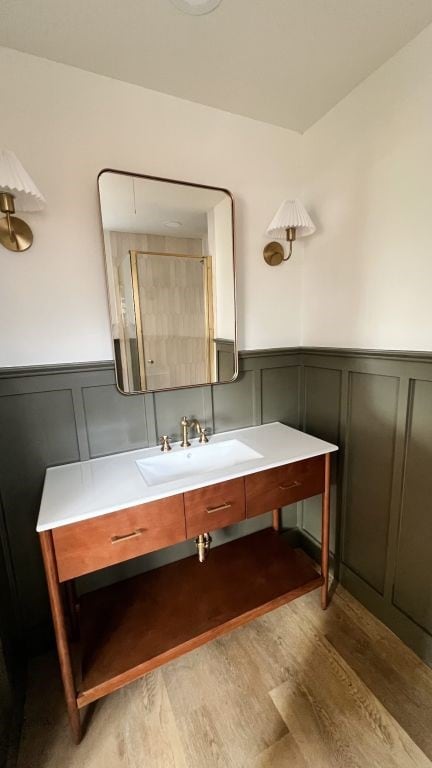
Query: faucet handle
203	435
164	440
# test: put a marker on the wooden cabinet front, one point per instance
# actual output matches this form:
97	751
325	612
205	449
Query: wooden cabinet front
215	506
93	544
284	485
89	545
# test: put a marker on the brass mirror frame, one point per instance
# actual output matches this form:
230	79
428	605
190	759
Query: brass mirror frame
183	184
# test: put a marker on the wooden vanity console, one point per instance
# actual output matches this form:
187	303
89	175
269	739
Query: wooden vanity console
118	633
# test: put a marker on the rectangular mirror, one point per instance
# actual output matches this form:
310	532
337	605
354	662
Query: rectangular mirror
169	254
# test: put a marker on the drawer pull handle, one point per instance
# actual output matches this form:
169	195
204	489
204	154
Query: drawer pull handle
294	484
220	508
125	536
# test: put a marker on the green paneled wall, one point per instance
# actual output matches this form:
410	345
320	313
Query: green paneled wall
12	665
413	571
55	415
377	406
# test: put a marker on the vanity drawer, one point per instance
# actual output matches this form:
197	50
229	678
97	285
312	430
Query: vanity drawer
215	506
92	544
284	485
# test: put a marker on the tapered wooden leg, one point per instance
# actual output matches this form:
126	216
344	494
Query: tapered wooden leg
325	534
59	622
276	522
72	603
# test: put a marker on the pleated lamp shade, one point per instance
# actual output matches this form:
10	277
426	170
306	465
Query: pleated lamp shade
291	214
15	180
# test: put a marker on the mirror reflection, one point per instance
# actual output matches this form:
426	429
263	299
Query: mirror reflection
171	285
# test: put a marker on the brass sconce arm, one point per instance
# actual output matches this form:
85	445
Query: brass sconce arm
291	236
7	206
274	253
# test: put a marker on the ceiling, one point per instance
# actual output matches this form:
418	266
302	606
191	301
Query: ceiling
134	204
285	62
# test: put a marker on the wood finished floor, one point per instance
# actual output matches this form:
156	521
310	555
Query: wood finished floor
297	688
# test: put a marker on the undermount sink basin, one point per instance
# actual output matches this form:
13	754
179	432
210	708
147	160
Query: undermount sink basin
185	462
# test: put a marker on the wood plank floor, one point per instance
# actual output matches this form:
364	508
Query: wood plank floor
297	688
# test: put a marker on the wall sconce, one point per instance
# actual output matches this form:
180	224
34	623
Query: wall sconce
291	221
17	191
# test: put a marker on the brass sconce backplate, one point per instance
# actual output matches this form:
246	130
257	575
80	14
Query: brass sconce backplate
273	254
15	235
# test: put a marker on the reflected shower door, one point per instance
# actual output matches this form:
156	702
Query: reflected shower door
172	306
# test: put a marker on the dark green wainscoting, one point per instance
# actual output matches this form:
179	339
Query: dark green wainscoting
376	405
58	414
12	663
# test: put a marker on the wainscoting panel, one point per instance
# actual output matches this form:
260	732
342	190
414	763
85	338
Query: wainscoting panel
12	664
114	423
322	402
37	430
369	454
321	417
413	576
235	405
280	395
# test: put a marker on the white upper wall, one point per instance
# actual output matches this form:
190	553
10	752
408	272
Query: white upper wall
365	170
65	125
368	186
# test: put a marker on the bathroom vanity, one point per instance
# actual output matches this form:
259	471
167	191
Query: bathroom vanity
105	511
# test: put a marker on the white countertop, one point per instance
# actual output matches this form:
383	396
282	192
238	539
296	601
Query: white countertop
86	489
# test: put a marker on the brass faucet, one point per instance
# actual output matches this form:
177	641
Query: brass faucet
187	424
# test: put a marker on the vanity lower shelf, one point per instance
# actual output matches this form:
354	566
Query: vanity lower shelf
134	626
